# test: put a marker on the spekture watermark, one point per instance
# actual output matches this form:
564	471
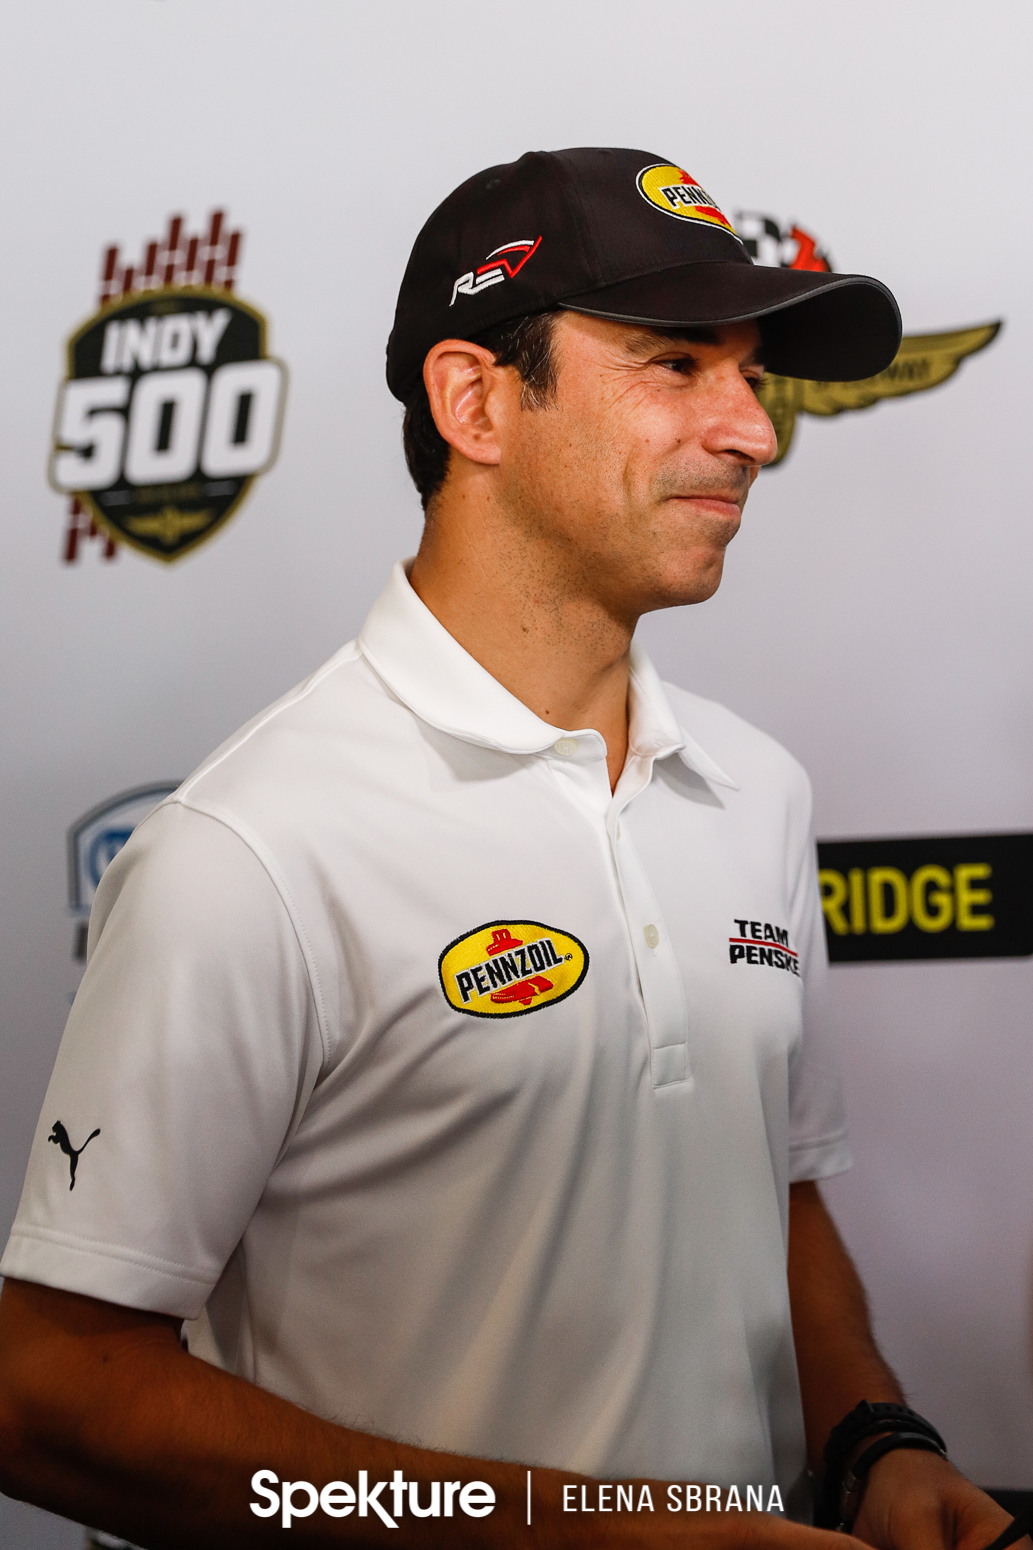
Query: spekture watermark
390	1500
300	1498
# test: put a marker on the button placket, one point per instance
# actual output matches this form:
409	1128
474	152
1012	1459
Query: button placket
660	981
578	767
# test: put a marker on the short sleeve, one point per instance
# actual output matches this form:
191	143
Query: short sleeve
186	1064
818	1146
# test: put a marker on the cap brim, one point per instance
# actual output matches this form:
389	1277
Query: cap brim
826	327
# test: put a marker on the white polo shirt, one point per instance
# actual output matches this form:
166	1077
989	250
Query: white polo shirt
462	1094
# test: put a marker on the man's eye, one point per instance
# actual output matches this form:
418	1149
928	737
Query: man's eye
680	363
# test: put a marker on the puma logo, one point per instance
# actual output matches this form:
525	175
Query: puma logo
59	1136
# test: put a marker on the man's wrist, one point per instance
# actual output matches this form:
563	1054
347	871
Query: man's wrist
858	1473
850	1491
856	1444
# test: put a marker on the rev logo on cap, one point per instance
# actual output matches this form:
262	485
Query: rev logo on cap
675	193
509	968
509	259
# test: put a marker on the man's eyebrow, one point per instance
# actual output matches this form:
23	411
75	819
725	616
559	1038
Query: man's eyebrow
644	341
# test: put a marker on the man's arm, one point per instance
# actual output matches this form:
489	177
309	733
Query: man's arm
836	1354
913	1501
104	1418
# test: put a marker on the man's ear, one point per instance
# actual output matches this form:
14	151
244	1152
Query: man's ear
462	382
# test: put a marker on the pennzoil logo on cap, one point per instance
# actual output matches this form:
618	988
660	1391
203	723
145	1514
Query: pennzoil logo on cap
674	192
509	967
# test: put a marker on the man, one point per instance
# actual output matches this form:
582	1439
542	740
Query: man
453	1038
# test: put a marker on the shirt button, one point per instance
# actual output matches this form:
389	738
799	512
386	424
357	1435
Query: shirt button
565	746
651	935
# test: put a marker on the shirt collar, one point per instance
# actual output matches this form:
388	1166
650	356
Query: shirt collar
655	731
440	682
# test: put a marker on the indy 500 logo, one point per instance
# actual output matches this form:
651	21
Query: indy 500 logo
170	406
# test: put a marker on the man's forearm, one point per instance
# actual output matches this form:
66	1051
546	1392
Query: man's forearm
838	1359
106	1419
910	1498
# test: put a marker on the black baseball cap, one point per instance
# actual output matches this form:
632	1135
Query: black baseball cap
626	235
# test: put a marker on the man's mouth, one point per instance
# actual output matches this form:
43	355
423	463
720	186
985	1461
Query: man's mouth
729	505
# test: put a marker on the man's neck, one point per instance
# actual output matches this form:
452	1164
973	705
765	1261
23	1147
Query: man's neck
529	625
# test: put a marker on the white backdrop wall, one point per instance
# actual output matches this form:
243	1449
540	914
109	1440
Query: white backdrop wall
875	614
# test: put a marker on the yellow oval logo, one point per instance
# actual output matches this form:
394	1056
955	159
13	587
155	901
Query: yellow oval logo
509	967
676	193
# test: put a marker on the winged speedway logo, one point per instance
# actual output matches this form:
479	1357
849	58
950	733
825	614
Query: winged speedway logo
508	968
923	360
501	264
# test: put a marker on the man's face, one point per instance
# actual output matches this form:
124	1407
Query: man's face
635	475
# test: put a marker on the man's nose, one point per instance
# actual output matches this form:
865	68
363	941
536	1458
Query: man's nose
737	423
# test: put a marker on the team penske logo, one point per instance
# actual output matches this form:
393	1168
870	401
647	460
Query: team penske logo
675	193
501	264
760	942
507	968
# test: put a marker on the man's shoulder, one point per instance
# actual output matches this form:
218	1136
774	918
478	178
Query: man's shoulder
747	755
296	739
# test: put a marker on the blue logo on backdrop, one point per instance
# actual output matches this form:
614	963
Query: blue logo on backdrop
94	841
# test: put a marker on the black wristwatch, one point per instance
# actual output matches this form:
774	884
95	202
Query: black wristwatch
846	1471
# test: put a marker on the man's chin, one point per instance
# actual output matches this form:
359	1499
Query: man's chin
694	584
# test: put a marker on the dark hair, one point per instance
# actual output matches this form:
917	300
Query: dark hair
525	343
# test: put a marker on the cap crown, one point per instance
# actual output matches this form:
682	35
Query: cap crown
520	237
